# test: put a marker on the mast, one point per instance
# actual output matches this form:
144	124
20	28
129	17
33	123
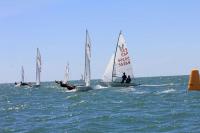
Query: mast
85	73
115	54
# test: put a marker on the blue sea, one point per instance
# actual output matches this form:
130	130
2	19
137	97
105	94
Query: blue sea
160	104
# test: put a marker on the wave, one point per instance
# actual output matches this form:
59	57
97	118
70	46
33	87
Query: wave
166	91
99	87
159	85
74	90
140	92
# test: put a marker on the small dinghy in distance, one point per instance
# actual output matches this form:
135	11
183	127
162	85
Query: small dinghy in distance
22	83
119	63
65	83
87	72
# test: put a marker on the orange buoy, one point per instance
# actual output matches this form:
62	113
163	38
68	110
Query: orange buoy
194	81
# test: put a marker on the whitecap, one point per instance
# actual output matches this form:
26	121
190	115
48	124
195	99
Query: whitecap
159	85
166	91
100	87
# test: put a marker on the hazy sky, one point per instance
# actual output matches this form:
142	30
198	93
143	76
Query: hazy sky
163	36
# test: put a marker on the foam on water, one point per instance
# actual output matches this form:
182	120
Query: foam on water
157	85
166	91
99	87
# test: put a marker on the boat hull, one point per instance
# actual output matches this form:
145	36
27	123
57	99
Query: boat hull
83	88
118	84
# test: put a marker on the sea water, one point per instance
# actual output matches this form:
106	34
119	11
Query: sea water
160	104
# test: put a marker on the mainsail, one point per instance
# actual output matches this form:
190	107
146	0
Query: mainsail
22	74
38	67
119	63
87	74
122	60
66	77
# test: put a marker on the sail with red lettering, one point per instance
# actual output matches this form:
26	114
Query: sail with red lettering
119	63
122	61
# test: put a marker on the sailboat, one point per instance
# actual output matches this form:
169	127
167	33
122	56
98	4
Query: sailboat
22	83
38	67
66	76
87	71
65	83
119	63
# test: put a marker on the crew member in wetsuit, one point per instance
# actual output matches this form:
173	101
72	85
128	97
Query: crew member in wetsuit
57	82
23	84
128	80
124	77
69	87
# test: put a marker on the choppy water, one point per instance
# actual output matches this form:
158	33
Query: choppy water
160	104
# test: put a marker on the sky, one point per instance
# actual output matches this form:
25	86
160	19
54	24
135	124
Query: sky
163	36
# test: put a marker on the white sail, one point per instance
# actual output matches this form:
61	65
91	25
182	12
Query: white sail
122	60
87	74
66	77
38	67
22	74
107	76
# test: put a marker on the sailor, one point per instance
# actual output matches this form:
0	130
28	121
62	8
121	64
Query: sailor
69	87
128	80
124	77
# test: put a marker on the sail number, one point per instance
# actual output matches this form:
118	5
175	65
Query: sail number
124	61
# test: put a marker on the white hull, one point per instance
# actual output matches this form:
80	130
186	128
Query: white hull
118	84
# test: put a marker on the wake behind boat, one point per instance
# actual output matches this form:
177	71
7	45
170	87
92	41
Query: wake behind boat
119	71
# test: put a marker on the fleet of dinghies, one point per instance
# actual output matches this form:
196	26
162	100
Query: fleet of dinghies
118	73
38	73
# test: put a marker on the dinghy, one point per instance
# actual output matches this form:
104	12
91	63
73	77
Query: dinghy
22	83
119	63
38	68
65	83
87	72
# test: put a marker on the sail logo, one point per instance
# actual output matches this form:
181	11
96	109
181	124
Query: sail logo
124	51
